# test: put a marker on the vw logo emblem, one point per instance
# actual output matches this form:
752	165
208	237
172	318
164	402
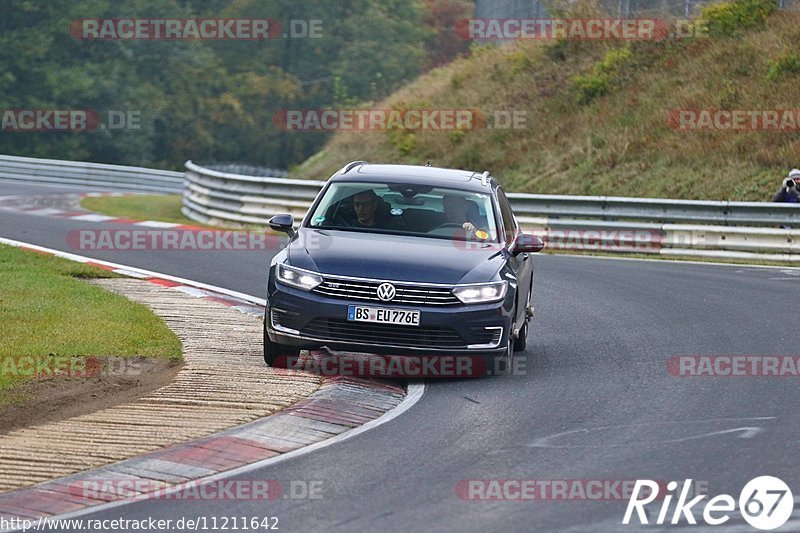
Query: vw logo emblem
386	292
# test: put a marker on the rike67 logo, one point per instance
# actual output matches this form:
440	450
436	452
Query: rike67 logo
765	503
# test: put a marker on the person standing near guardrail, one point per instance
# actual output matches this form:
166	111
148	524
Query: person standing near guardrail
789	189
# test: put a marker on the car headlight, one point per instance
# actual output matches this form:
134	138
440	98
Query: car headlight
483	293
297	277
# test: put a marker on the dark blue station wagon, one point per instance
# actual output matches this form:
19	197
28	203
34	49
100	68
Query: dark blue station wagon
404	261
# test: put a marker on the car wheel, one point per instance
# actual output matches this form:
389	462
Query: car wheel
522	339
276	355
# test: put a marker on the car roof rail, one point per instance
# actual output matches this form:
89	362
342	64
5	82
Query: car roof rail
485	178
350	166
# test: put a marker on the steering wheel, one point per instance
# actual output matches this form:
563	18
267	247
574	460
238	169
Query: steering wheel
339	220
449	225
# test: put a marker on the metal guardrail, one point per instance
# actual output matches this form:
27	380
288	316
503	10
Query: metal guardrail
721	213
708	241
711	229
247	170
76	173
214	197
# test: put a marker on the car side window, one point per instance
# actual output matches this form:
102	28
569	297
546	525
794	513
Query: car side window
509	223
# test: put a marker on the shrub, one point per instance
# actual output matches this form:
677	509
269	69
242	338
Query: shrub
404	141
604	73
518	62
559	50
784	66
726	18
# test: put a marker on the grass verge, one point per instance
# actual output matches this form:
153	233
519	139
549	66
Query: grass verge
45	309
160	207
157	207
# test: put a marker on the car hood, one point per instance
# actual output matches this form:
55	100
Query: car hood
394	257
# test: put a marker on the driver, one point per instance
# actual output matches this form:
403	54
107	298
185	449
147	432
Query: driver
455	209
365	205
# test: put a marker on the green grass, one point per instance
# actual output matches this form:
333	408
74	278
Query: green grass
596	114
160	207
46	309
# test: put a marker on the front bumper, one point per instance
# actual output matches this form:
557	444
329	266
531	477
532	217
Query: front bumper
311	320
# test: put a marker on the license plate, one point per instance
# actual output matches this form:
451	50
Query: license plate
403	317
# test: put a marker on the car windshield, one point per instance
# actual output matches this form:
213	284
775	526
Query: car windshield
406	209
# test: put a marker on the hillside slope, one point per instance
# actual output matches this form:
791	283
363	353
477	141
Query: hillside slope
597	111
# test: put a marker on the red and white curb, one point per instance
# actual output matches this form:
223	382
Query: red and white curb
187	469
340	409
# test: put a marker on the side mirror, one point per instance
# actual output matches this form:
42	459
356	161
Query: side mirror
526	243
283	223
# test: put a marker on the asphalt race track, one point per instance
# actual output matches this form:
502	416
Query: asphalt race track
596	401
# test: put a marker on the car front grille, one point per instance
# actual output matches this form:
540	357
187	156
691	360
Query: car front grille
367	291
383	334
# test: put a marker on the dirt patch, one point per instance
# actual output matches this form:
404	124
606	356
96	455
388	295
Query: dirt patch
121	380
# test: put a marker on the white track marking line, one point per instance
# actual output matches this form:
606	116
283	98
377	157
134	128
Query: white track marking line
192	291
92	217
142	272
156	224
44	211
543	442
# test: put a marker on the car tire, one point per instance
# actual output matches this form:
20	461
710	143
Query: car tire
276	355
522	339
503	362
